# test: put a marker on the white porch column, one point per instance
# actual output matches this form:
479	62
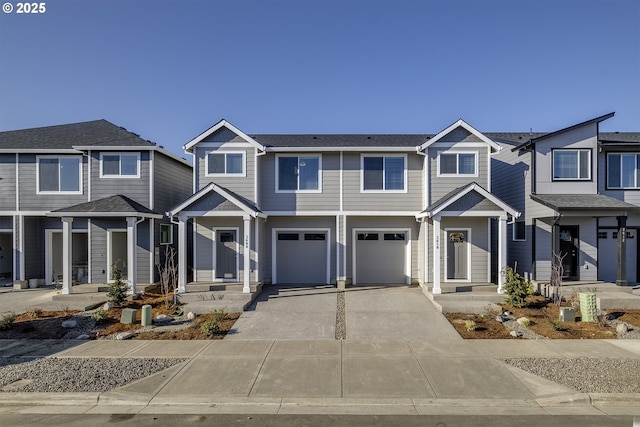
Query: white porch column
502	252
182	254
246	288
132	227
436	256
67	251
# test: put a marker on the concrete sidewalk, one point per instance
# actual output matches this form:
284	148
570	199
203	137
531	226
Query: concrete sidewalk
336	377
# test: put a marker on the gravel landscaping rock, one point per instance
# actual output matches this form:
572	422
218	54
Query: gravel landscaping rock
341	321
67	375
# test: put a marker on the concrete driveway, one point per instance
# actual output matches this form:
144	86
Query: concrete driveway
371	313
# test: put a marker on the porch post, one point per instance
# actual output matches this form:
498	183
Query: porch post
436	256
502	252
182	254
67	251
621	279
131	253
555	244
246	288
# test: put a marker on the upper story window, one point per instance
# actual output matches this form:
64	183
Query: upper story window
59	174
458	164
120	165
623	171
298	173
571	164
226	164
384	173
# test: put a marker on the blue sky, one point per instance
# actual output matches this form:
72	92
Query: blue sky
170	69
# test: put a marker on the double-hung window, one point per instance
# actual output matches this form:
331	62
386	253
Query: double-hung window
120	165
384	173
59	174
623	171
458	164
298	173
572	165
221	164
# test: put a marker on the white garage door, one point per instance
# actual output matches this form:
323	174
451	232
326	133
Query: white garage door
381	257
301	257
608	255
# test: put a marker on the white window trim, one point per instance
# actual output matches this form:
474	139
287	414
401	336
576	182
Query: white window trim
576	150
384	156
635	178
80	186
513	232
120	176
277	173
240	174
170	242
476	162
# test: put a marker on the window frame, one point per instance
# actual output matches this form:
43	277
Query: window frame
80	177
384	156
298	156
577	151
636	174
225	173
514	236
476	164
120	175
170	242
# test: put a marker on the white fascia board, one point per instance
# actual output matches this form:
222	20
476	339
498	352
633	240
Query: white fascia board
191	199
493	199
464	125
222	123
215	188
362	149
41	151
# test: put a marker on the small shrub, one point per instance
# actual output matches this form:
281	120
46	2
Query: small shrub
100	315
7	320
470	325
554	324
117	292
218	315
210	327
516	288
35	313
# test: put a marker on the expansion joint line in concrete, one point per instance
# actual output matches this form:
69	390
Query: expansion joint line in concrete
424	372
266	354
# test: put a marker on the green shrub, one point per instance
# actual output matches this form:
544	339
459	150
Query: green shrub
210	327
516	288
117	292
218	315
470	325
100	315
7	320
554	324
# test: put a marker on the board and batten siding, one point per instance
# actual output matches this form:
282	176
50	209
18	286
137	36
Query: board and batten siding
7	182
326	200
357	200
439	186
31	200
137	189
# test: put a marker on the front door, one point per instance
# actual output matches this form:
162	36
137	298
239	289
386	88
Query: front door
457	255
226	253
569	243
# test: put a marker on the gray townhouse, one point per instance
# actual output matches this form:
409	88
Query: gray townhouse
343	209
77	199
579	193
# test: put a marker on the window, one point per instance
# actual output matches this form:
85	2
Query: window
59	174
519	230
315	236
457	164
367	236
298	173
572	164
394	236
383	173
288	236
602	234
166	234
119	165
623	171
225	164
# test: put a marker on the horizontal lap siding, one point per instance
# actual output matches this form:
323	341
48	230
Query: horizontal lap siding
243	185
439	186
356	200
98	245
7	182
137	189
33	248
204	254
172	182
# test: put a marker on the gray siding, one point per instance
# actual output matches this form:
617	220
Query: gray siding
439	186
7	182
172	182
472	201
327	200
137	189
243	185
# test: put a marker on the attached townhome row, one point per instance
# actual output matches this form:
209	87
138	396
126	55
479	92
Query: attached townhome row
77	200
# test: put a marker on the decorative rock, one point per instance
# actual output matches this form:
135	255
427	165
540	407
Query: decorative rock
107	305
191	315
499	319
83	337
622	328
506	313
124	336
515	334
523	321
69	324
163	318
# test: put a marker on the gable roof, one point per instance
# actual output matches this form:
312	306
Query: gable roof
456	194
188	147
460	123
111	206
241	202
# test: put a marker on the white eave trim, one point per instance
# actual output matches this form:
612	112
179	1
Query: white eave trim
43	151
222	123
217	189
493	199
460	123
361	149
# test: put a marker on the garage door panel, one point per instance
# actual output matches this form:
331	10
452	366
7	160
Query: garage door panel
301	257
608	255
380	257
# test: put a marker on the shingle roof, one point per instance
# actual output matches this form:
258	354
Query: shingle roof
568	202
108	205
97	132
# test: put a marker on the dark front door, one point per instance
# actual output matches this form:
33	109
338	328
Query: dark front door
569	243
226	254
